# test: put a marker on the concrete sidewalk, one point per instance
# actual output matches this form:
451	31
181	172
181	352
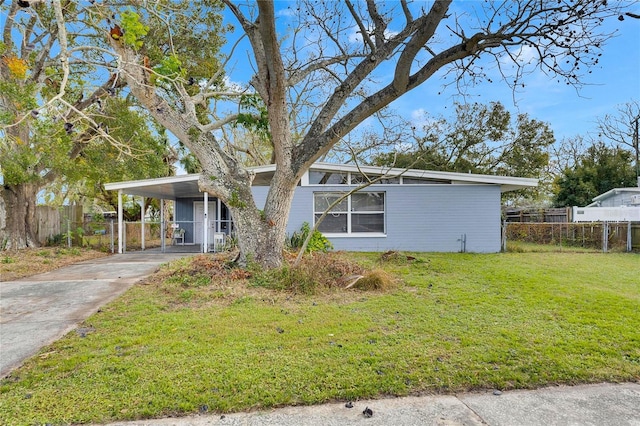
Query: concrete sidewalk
37	310
597	405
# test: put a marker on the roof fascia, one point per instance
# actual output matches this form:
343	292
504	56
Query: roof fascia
114	186
508	183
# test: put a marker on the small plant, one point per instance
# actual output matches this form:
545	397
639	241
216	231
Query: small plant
230	243
318	242
80	235
55	240
7	260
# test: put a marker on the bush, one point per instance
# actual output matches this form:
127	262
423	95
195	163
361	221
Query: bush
55	240
318	242
314	274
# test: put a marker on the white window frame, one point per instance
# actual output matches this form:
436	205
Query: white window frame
349	212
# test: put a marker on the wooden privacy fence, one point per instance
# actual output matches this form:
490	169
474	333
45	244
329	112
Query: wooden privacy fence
47	223
555	215
53	224
66	225
605	236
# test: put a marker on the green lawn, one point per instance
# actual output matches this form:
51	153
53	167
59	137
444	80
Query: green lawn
456	322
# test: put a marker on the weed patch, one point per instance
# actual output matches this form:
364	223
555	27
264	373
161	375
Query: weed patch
315	274
23	263
376	280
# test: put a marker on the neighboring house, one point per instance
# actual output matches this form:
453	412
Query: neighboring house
412	210
616	205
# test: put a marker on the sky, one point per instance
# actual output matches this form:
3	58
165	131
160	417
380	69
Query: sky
568	110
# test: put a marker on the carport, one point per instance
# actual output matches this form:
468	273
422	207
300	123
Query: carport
170	189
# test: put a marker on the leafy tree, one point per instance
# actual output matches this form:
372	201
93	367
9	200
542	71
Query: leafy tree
334	81
621	128
63	127
479	139
567	153
40	95
600	169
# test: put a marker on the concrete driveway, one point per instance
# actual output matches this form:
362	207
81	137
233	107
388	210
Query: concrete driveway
38	310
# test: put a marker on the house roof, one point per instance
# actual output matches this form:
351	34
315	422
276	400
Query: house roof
187	185
611	193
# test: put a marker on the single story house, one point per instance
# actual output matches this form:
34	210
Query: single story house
615	205
411	210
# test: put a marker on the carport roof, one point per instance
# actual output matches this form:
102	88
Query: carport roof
170	188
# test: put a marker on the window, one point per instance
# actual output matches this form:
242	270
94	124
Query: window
416	181
359	179
327	178
361	212
318	177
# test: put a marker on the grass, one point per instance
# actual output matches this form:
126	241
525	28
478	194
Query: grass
180	344
15	264
525	247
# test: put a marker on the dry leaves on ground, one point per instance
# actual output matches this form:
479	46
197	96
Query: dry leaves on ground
15	264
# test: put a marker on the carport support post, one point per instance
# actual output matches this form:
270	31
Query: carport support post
142	224
205	237
120	221
162	248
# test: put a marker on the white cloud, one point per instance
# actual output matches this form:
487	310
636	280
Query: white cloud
234	86
286	12
355	35
420	118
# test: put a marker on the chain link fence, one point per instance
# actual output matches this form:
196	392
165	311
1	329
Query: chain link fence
601	236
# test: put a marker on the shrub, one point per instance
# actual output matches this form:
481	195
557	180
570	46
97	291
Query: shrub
314	274
55	240
318	242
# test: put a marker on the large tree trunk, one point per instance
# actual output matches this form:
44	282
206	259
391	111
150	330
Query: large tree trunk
261	234
257	240
19	212
266	240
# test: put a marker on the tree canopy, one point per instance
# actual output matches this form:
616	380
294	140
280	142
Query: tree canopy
66	125
479	138
600	169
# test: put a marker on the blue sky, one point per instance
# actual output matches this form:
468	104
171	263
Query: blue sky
569	111
614	81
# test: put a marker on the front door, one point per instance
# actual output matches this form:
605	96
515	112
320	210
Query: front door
198	218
